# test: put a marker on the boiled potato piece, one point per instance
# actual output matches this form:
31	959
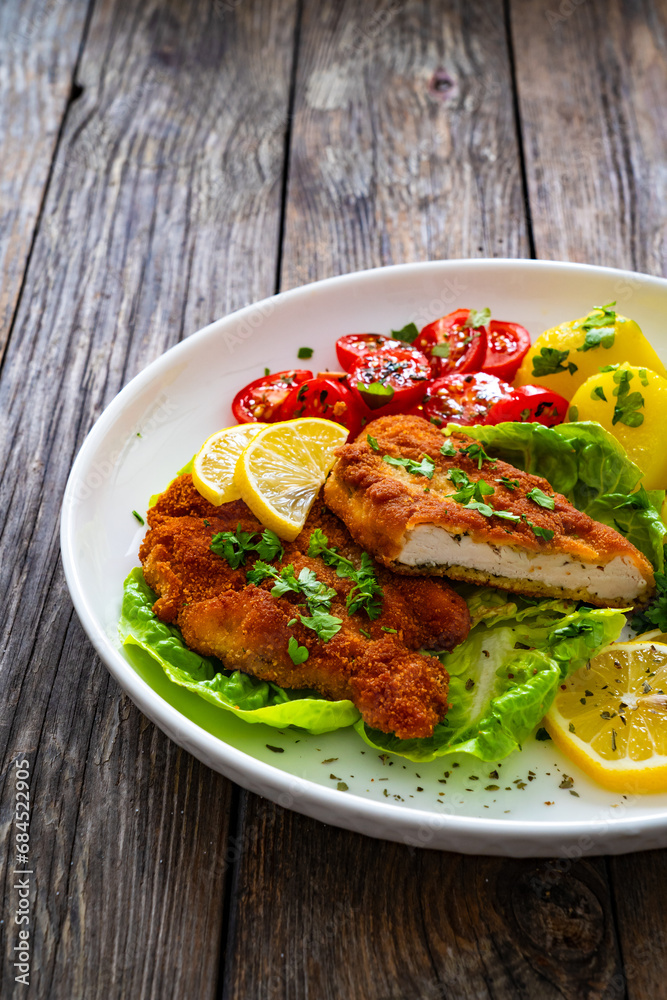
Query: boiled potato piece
631	403
565	356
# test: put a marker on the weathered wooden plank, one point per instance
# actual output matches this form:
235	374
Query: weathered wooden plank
592	79
386	167
404	140
39	47
592	86
163	212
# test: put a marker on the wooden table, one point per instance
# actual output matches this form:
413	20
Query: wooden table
162	163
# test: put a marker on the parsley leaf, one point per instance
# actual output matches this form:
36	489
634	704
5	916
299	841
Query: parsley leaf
304	352
367	592
509	484
235	546
270	546
598	393
629	403
477	318
407	334
476	452
373	442
375	394
298	654
541	499
440	351
550	362
483	508
448	449
323	624
539	532
600	327
425	467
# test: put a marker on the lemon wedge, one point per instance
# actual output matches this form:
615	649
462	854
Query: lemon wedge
282	469
215	462
610	717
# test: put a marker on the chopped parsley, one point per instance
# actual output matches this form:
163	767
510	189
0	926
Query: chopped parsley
541	499
539	532
643	377
305	352
235	546
298	654
375	394
550	361
509	484
448	449
477	318
476	452
408	334
598	393
629	403
318	595
373	442
600	327
366	592
440	351
267	371
425	466
138	516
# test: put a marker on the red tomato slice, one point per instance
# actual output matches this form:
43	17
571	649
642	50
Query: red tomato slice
354	346
507	343
390	381
260	401
530	404
451	346
322	397
463	399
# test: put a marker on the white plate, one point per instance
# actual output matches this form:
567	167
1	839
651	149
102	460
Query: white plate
160	419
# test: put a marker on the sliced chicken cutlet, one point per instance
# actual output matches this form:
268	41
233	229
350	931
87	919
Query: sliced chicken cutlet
376	664
476	519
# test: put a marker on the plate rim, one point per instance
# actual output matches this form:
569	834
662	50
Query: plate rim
395	822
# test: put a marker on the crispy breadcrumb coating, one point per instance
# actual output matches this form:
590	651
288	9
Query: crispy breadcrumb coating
377	664
393	513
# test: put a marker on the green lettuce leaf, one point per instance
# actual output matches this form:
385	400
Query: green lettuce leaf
587	465
244	696
503	678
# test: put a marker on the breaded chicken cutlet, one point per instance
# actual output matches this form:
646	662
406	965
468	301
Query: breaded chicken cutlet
476	519
376	663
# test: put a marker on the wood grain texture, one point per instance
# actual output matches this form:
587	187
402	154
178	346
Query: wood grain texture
592	89
331	914
323	912
39	47
163	213
404	140
592	84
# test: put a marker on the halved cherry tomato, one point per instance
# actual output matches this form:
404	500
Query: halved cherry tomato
528	404
322	397
261	400
507	343
451	346
463	399
354	346
389	381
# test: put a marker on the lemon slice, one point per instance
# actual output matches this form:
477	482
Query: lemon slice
215	462
280	472
610	717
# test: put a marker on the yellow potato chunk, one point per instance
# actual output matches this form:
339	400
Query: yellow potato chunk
565	356
631	403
